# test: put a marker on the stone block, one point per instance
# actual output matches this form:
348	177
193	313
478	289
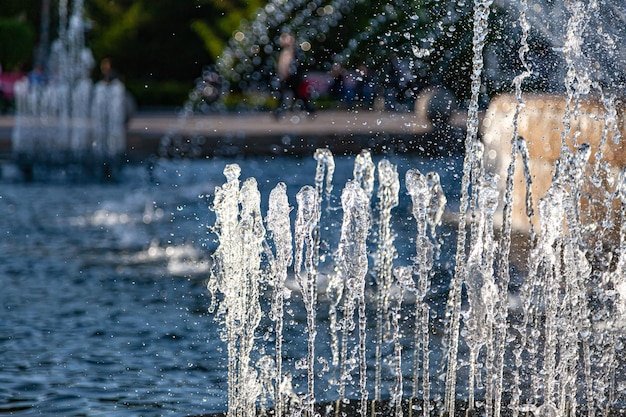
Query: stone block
542	123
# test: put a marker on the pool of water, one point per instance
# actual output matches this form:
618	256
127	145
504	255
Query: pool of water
103	286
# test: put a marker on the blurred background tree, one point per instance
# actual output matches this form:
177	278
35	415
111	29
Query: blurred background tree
160	47
19	21
17	41
215	33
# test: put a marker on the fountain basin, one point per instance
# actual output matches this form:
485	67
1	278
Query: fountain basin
259	133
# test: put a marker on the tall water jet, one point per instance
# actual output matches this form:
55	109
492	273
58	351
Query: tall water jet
237	278
539	335
231	281
428	206
69	121
279	225
472	173
387	199
353	257
306	256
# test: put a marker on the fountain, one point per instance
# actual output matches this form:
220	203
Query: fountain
536	330
68	121
386	295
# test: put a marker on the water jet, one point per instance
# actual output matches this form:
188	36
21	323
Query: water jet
69	122
545	341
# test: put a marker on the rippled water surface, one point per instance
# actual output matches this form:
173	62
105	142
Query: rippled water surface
103	298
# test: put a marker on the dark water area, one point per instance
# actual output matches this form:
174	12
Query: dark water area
103	300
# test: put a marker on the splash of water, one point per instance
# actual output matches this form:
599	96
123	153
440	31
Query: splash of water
387	199
237	276
278	225
560	341
352	254
428	205
559	357
307	249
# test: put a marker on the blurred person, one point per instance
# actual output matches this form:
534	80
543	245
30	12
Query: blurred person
349	88
3	103
365	86
107	71
293	88
109	75
337	88
7	89
38	76
400	81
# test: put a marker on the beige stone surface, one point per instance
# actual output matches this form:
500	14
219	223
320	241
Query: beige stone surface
542	124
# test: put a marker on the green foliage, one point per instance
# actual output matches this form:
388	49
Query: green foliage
149	40
118	27
17	42
431	38
212	42
228	15
427	41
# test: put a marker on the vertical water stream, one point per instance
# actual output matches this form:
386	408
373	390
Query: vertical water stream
550	352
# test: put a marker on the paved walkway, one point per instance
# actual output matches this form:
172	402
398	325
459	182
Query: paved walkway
262	133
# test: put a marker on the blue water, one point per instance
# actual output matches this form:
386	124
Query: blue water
103	302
